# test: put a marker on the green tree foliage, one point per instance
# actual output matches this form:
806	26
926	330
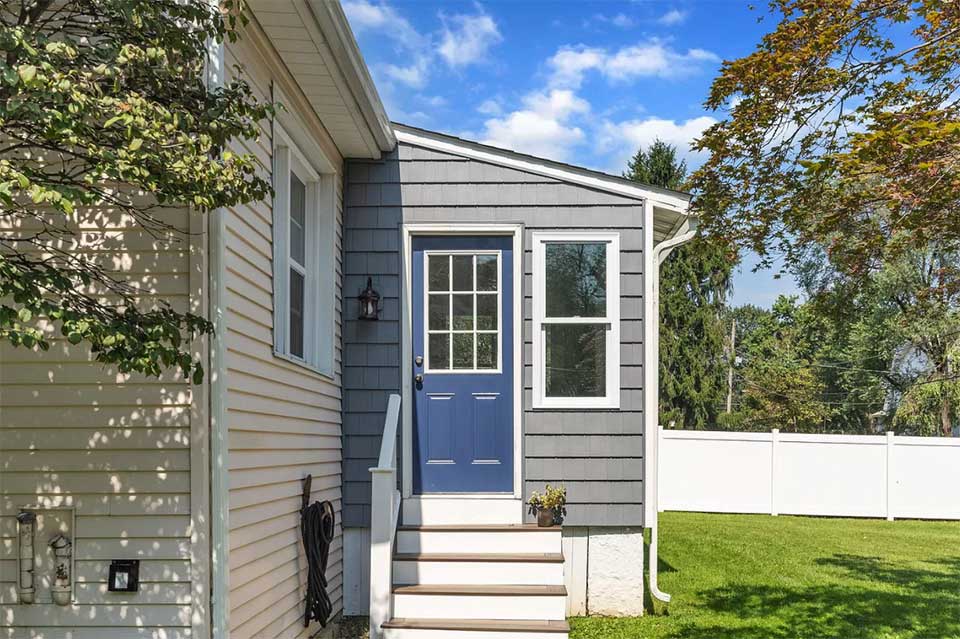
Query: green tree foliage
869	348
777	386
103	106
841	137
657	166
919	293
694	283
842	131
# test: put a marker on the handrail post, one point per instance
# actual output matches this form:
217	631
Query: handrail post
384	517
381	548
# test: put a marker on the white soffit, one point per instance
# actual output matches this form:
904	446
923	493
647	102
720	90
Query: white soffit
315	43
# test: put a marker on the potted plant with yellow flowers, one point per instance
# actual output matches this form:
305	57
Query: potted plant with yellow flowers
550	507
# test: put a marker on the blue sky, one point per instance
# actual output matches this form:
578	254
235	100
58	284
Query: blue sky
580	82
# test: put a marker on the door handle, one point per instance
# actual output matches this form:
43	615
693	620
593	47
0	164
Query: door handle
418	378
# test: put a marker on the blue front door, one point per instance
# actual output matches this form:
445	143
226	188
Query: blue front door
462	364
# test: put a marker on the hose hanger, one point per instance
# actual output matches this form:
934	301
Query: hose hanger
317	528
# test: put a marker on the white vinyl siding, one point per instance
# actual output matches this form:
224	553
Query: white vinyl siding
576	320
283	416
115	447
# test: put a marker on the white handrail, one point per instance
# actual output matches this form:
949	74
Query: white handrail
388	445
384	516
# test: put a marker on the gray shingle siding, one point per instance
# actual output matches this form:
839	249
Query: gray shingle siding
598	455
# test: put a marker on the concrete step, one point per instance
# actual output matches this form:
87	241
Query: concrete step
479	539
540	569
407	628
481	602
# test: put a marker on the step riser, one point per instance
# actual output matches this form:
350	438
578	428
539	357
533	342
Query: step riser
442	511
415	541
548	608
419	633
477	573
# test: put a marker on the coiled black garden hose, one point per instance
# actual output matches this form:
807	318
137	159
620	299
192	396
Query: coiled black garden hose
317	527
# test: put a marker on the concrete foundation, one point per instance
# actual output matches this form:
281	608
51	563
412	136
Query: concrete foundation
615	571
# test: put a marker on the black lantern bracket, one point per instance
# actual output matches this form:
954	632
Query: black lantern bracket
369	302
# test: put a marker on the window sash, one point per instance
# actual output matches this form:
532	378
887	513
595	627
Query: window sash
610	321
318	229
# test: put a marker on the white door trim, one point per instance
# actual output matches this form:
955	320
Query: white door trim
406	345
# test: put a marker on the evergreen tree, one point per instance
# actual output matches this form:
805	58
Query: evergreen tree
694	283
657	167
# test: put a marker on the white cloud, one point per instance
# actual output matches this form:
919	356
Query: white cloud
364	15
490	107
464	39
649	59
559	104
414	76
543	127
410	44
620	140
673	17
621	20
468	39
434	100
569	64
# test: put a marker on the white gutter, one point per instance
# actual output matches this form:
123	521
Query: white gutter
654	256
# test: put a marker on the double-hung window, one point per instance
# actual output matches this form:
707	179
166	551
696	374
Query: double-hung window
304	268
576	320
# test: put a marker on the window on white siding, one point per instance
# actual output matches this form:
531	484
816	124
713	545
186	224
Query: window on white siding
576	320
304	267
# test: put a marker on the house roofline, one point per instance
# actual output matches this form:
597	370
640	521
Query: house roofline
336	30
676	201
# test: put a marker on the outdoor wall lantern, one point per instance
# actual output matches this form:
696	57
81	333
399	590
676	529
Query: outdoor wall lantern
369	302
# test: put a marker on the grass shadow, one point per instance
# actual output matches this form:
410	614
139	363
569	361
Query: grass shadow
869	598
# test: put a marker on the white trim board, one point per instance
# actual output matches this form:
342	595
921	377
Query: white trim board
200	470
406	341
663	198
219	448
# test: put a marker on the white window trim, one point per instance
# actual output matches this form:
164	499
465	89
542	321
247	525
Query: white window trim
319	330
612	398
426	316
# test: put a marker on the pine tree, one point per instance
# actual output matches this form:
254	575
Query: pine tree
694	283
657	167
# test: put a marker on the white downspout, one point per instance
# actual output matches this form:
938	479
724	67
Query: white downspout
657	254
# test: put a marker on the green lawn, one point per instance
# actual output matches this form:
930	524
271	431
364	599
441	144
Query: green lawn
762	577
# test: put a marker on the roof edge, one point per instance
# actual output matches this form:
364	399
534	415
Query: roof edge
437	141
336	30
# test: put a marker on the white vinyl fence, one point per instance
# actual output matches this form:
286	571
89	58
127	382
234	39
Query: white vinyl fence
786	473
